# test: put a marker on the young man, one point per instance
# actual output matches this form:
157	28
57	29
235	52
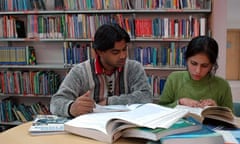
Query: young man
108	79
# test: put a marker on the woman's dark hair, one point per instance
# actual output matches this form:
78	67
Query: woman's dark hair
106	36
206	45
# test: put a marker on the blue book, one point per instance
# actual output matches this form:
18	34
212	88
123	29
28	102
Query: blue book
202	136
236	134
181	126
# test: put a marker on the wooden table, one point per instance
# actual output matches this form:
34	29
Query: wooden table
20	135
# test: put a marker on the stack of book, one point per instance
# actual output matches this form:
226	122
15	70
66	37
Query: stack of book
47	124
154	123
147	121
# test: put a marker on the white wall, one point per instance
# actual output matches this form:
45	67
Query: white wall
233	11
233	22
219	32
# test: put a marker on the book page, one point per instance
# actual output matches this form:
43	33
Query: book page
153	116
115	108
194	110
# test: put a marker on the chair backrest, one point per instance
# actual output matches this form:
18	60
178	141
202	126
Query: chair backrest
236	108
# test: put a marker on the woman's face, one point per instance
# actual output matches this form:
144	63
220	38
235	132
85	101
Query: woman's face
199	66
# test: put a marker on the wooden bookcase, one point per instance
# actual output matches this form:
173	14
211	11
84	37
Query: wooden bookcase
49	46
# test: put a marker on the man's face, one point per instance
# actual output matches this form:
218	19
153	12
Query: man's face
115	57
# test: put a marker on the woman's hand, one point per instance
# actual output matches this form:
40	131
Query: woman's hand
207	102
189	102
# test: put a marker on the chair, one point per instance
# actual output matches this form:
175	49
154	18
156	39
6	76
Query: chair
236	108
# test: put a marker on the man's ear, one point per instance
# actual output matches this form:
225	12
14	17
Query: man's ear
98	52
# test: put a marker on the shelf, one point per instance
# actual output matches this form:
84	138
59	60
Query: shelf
27	96
164	68
38	66
107	11
13	123
150	39
138	39
32	12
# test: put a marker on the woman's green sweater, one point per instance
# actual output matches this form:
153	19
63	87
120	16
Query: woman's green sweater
179	84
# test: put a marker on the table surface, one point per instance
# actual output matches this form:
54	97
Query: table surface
20	135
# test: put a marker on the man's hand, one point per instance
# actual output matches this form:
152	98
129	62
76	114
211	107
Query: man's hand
103	102
82	105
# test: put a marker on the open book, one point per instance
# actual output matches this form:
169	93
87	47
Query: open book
114	108
213	115
108	127
47	124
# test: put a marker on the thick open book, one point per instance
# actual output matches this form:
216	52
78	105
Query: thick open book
108	127
47	124
216	115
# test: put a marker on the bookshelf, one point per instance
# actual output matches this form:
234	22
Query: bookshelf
55	27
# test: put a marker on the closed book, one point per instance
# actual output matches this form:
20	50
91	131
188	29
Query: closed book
20	28
202	136
181	126
47	124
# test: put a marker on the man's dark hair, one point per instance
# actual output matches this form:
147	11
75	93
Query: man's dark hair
106	36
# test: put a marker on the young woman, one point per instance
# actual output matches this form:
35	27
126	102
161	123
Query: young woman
198	86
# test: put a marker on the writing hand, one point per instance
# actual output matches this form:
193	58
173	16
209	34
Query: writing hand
82	105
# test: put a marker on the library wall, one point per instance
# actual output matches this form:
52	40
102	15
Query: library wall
233	25
233	21
219	27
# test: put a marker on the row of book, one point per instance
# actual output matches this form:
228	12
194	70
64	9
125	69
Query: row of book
10	112
157	84
170	4
163	27
85	26
23	5
29	82
74	53
11	27
17	55
164	56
